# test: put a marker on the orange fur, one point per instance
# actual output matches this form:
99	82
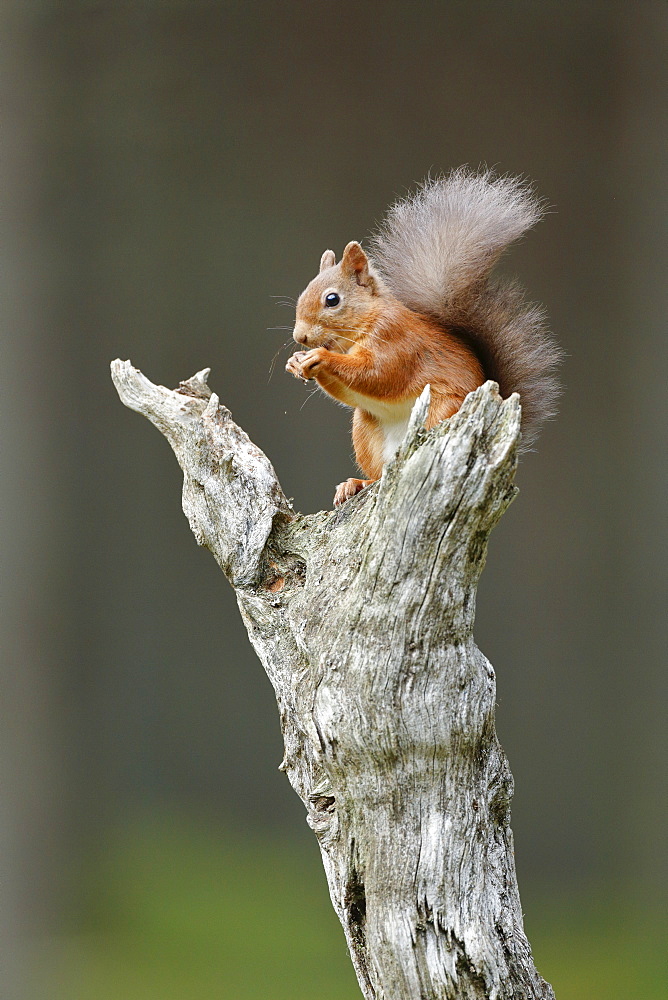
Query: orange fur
367	442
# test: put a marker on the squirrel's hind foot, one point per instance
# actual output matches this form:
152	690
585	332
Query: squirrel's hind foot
344	491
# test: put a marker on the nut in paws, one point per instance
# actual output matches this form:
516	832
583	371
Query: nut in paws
293	366
303	364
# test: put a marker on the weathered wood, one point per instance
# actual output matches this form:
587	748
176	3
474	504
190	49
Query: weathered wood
362	618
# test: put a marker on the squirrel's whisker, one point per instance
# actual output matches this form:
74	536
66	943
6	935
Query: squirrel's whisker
369	333
311	393
273	360
285	300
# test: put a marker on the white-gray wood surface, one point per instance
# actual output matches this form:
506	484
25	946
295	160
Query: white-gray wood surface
362	618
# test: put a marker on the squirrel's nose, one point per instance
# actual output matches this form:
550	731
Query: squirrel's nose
300	334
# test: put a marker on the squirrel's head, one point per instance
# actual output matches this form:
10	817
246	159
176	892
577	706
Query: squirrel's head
341	302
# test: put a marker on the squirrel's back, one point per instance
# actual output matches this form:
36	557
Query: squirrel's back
436	248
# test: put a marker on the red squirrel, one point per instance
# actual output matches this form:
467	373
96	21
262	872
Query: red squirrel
421	308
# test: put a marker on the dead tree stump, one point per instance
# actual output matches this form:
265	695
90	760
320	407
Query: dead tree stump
362	618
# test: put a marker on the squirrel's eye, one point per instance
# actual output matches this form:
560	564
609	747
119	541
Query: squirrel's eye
332	299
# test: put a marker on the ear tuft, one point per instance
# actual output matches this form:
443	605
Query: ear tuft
355	263
328	259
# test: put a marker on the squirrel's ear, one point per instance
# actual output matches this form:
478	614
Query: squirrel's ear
355	263
327	260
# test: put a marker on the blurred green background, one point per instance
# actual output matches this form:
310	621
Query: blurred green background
169	172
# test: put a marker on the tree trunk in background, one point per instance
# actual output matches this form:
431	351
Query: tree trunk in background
362	618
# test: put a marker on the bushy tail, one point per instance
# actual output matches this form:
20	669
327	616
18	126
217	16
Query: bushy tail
436	249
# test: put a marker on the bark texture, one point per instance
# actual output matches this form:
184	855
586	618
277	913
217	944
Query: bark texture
362	618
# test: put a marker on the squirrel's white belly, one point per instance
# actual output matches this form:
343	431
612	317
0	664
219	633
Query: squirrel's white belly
392	417
394	433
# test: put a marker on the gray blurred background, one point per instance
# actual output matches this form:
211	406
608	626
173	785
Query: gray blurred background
171	171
